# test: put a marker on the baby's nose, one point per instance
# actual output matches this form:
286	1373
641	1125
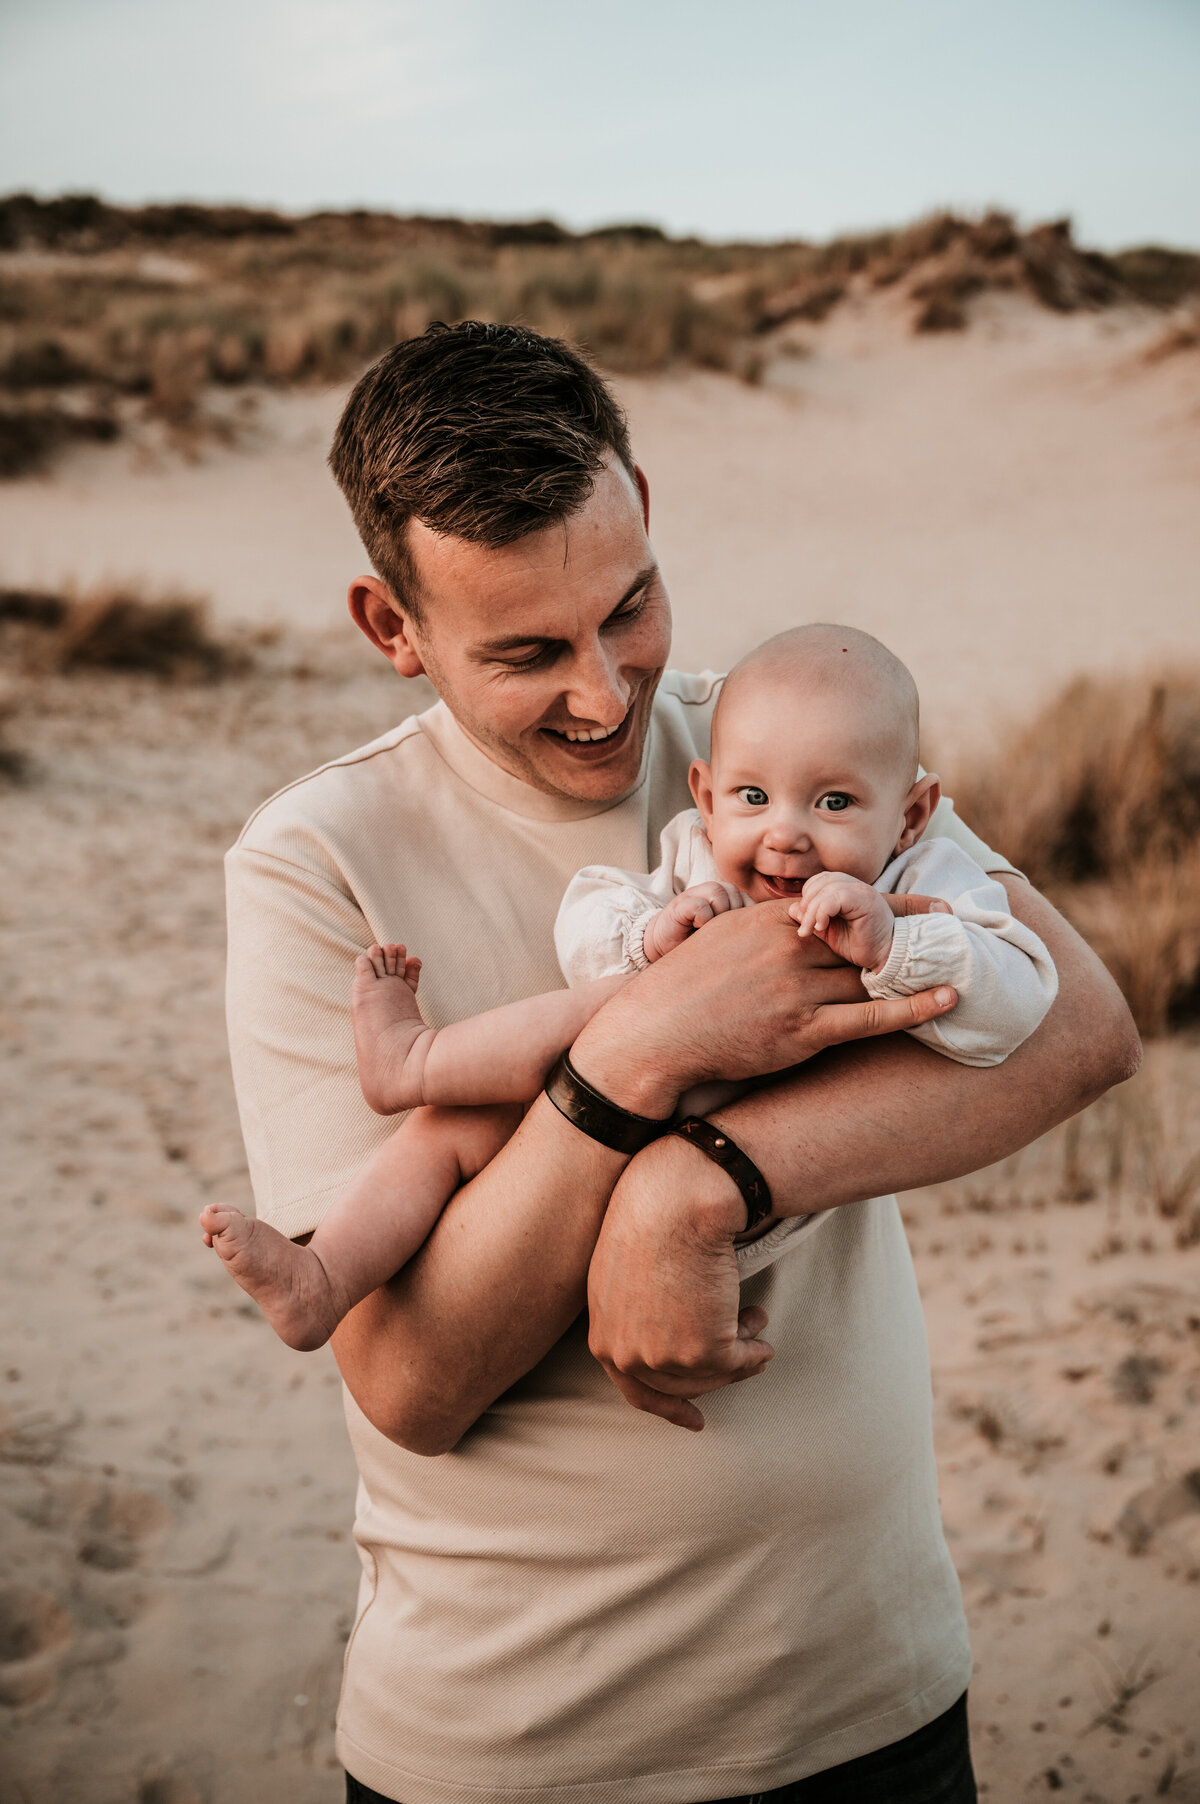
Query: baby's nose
786	836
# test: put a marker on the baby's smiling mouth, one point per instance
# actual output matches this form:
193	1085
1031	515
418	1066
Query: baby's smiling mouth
780	886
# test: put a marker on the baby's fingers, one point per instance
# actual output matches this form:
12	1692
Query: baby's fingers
815	918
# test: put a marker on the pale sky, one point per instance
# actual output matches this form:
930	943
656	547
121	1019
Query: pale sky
765	118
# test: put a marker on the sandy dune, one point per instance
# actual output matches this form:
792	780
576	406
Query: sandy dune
1004	507
176	1574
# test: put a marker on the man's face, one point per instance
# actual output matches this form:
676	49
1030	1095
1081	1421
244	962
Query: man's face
548	651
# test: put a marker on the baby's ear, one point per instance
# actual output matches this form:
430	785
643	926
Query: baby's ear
700	784
919	804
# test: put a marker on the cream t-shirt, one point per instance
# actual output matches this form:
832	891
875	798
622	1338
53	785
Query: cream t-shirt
582	1603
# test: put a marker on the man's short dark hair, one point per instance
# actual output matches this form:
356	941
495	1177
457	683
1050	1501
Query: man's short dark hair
483	432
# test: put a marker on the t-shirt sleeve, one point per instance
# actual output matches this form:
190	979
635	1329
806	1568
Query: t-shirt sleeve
294	935
945	824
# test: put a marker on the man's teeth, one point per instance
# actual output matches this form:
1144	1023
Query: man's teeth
593	732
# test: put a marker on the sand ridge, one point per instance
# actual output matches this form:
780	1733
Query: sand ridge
175	1487
1003	507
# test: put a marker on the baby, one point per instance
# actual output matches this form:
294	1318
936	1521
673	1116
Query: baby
813	791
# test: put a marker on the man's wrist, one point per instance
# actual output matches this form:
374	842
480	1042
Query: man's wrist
640	1088
695	1192
617	1054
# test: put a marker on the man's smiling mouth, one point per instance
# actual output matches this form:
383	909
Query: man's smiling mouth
591	742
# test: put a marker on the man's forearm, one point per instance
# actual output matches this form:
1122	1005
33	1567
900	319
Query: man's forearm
884	1115
876	1116
504	1273
500	1279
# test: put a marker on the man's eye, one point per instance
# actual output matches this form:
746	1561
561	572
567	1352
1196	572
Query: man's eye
628	614
836	802
753	798
529	663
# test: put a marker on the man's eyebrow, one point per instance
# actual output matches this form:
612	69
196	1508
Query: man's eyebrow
514	641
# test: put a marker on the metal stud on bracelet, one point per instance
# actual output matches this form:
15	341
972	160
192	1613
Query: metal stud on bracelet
729	1156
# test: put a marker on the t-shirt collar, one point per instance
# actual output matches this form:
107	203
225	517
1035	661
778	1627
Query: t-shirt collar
479	773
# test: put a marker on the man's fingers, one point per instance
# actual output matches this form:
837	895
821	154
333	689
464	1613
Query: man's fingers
862	1021
679	1410
918	905
751	1322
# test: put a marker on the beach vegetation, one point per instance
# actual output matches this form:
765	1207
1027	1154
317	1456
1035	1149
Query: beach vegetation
1097	800
101	304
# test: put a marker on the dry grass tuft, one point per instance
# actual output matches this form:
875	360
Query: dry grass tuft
116	627
31	433
13	763
1182	335
1097	799
148	306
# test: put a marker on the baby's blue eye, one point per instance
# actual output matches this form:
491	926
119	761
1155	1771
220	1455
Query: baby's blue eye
753	798
836	802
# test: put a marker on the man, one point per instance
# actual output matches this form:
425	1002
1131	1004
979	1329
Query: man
577	1601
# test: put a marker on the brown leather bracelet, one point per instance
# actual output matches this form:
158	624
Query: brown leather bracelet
717	1146
596	1116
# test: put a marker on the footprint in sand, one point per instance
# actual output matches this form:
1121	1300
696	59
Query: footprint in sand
35	1631
114	1526
168	1788
84	1524
121	1527
1158	1506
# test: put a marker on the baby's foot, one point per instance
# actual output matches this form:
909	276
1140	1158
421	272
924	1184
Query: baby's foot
288	1282
387	1024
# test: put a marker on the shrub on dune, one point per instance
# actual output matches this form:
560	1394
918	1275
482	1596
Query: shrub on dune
1097	799
116	627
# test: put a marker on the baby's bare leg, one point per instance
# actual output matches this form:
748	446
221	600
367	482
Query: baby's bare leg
501	1056
373	1229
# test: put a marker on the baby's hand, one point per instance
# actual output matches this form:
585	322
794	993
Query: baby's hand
683	914
853	919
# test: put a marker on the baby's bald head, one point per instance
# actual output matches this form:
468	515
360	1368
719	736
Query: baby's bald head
875	690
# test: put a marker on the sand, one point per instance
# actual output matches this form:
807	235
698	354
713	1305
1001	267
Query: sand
1004	507
176	1573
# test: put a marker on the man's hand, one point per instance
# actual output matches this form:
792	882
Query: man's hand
663	1282
663	1286
683	914
853	919
740	1000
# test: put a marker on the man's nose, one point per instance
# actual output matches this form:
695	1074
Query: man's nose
597	692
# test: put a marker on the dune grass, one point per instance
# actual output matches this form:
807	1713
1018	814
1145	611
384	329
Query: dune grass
101	305
1097	799
118	627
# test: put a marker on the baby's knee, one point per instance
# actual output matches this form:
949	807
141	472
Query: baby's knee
473	1135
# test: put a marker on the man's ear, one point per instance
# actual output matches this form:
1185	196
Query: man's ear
700	784
920	803
639	476
375	613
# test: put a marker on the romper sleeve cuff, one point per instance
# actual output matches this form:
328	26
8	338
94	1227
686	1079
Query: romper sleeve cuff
635	935
879	983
